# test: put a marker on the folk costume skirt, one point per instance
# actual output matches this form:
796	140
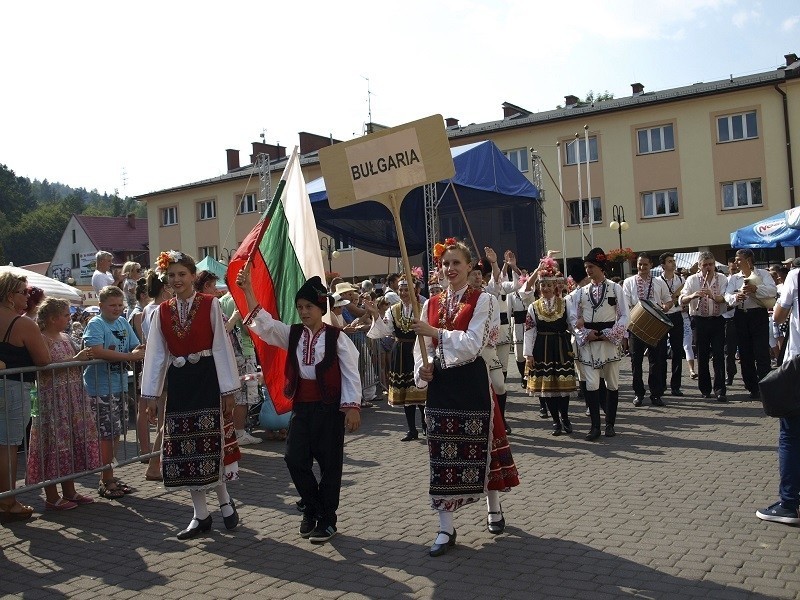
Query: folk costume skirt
198	452
462	444
553	371
402	389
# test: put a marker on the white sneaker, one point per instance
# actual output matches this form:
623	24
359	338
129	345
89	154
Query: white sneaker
247	439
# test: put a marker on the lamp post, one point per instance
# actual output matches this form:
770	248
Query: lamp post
619	224
328	247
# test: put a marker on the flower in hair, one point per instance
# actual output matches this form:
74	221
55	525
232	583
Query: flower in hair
165	259
548	267
438	250
451	241
417	272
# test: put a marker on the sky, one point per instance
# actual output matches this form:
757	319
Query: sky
142	96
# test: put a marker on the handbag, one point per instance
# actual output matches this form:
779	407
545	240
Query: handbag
780	392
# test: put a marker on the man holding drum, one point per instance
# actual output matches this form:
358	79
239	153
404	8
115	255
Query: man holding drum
643	286
599	321
704	294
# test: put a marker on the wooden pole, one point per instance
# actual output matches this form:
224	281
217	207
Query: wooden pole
401	239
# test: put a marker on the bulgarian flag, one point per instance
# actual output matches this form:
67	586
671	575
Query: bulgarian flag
284	250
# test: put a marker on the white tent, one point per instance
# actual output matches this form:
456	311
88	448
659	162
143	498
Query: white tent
684	260
52	287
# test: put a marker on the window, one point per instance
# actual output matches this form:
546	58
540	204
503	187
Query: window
656	139
73	236
519	158
741	194
204	251
76	261
507	216
342	244
743	126
575	212
580	144
661	203
248	204
208	210
169	216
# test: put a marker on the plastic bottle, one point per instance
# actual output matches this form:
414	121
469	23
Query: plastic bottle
34	401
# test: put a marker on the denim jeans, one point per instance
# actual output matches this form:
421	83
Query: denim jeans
789	462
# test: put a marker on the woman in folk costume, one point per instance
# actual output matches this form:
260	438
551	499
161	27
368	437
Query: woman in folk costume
548	347
397	323
467	445
188	348
324	384
599	322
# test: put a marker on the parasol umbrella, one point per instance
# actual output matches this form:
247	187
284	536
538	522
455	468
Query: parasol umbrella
52	287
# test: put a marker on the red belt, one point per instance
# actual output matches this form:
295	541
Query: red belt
307	391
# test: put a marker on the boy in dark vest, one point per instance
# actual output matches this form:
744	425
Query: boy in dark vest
323	382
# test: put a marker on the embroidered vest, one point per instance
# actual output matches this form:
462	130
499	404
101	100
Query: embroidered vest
329	375
195	334
437	315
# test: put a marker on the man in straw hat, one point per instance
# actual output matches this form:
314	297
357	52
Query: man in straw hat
599	321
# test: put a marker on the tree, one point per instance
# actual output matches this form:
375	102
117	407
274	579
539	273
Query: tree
15	195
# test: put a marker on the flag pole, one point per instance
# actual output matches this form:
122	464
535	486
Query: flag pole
580	193
563	220
589	186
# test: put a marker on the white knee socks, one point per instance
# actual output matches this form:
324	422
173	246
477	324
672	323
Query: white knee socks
224	498
200	508
493	505
445	524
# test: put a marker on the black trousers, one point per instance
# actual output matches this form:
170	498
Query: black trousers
316	432
710	345
657	359
675	337
730	348
752	330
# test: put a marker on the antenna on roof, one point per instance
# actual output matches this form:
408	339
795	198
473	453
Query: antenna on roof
124	183
263	136
369	106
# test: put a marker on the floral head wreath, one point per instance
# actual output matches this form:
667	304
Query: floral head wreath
548	269
440	248
165	259
571	284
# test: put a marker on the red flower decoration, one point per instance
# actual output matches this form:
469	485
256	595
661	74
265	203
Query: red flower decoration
600	257
450	241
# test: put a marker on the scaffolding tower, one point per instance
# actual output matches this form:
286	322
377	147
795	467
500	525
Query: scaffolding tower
431	224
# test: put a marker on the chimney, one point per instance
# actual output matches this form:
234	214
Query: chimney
233	159
451	122
311	142
571	101
790	59
638	89
275	151
132	220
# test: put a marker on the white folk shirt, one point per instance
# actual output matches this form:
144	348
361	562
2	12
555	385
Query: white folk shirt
767	289
705	307
788	299
502	289
310	352
673	286
456	348
658	293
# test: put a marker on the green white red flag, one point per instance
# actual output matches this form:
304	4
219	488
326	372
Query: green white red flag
285	253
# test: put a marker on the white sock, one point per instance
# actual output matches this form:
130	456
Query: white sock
224	498
493	505
445	524
200	508
240	433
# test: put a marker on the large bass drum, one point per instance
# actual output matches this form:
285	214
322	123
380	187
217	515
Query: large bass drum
648	323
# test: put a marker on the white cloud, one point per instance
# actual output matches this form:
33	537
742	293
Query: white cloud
742	18
790	22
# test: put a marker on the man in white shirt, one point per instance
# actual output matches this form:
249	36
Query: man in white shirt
643	286
391	295
746	291
674	283
102	274
704	295
786	510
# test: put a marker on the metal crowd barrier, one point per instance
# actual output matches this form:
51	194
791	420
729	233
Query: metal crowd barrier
51	421
371	366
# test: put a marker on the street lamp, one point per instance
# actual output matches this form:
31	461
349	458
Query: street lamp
618	222
328	246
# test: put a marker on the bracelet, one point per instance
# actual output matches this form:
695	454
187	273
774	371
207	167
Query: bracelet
251	315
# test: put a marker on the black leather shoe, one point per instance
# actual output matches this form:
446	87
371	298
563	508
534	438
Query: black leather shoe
610	431
677	393
230	521
593	434
556	430
755	396
495	527
439	549
729	381
637	400
203	525
567	425
411	435
543	413
722	398
656	401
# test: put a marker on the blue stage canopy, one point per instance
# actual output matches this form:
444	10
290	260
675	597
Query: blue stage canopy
486	182
767	233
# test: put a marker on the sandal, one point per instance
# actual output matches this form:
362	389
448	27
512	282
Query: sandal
60	504
126	489
22	513
110	490
80	499
692	374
